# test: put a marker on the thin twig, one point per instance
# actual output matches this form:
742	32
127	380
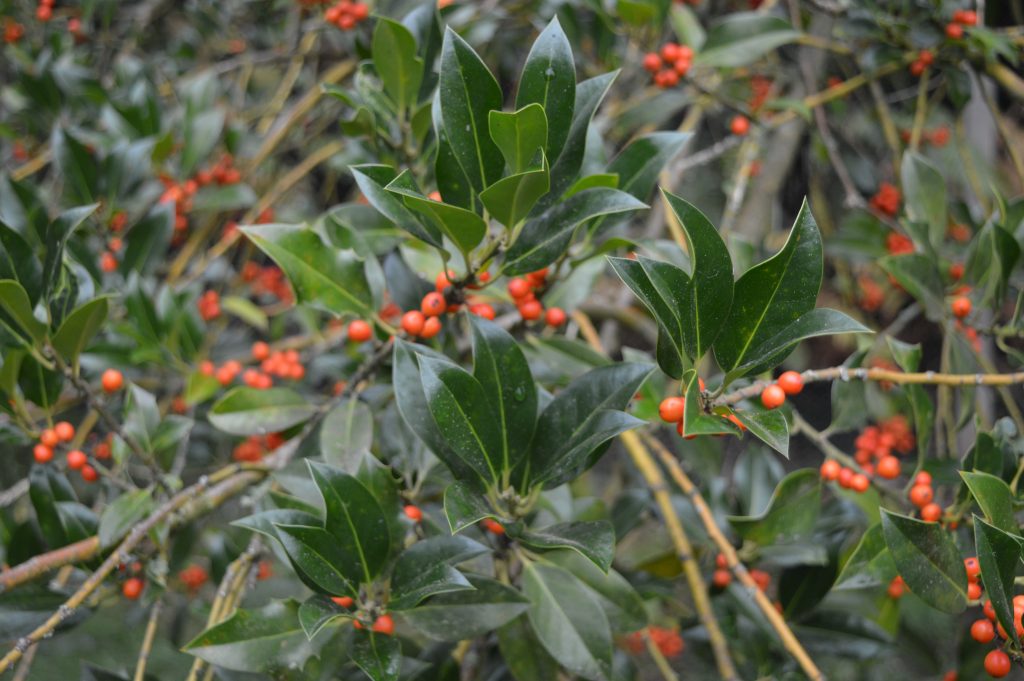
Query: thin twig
147	640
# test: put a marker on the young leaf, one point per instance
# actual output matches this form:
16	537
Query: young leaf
459	406
468	93
999	557
464	614
509	389
519	135
708	297
791	512
568	621
394	56
248	411
772	295
511	198
994	497
17	313
594	540
78	328
371	180
464	227
575	429
925	195
549	79
695	420
545	237
378	655
328	278
928	561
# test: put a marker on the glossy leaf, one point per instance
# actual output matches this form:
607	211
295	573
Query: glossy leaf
565	167
394	56
616	596
742	38
594	540
266	640
346	435
520	135
78	328
575	428
427	568
549	79
378	655
928	561
994	497
508	388
511	198
463	506
526	658
695	420
317	553
18	262
767	425
545	237
999	556
639	165
372	180
123	514
468	93
316	612
870	564
772	295
791	512
464	227
248	411
330	279
568	621
466	614
17	308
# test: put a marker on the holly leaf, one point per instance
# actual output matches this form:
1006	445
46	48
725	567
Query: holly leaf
928	561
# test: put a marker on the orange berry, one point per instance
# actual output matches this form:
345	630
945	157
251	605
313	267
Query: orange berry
493	526
49	438
384	625
112	380
721	561
888	467
531	310
773	396
972	567
132	588
413	513
982	631
77	459
923	478
65	431
721	578
997	663
42	454
89	474
973	591
830	469
343	601
431	328
444	280
672	409
555	316
860	483
359	331
260	351
961	307
652	62
412	322
791	382
845	477
433	304
921	495
483	310
739	125
518	288
896	588
931	513
955	32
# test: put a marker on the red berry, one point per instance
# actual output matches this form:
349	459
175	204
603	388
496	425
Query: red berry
888	467
921	495
42	454
518	288
112	380
260	351
672	409
132	588
359	331
431	328
493	526
413	513
483	310
433	304
982	631
973	591
721	562
555	316
89	473
444	280
830	469
997	664
531	310
896	588
652	62
681	67
670	52
773	396
739	125
956	271
721	578
972	567
931	513
961	307
669	78
412	322
845	477
923	478
860	483
343	601
384	625
954	31
77	459
49	438
791	382
968	17
65	431
917	68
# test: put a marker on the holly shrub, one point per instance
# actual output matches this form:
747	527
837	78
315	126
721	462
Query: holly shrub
520	340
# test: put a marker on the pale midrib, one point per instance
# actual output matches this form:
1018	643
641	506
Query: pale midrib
564	616
352	528
286	255
469	424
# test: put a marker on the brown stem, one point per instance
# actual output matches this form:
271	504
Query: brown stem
147	641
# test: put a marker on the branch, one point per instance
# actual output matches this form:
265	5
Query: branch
684	549
732	560
147	641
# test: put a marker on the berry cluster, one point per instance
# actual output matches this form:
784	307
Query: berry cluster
193	577
524	294
255	446
925	58
879	442
669	64
284	364
789	383
984	631
961	18
346	14
668	641
384	624
887	199
847	478
181	193
209	305
267	280
922	495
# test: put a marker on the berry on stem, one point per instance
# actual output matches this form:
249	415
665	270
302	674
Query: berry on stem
961	306
413	513
433	304
412	322
997	664
672	409
112	380
77	459
739	125
773	396
791	382
132	588
359	331
982	631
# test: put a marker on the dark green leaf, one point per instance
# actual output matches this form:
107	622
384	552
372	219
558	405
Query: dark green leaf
248	411
510	199
920	277
742	38
378	655
526	658
333	567
426	568
78	328
924	192
19	262
769	426
595	540
316	612
466	614
999	557
549	79
123	514
568	621
641	162
994	497
928	561
464	506
791	512
616	596
870	564
566	166
545	237
464	227
15	304
371	180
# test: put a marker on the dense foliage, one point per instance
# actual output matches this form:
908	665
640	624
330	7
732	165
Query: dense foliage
524	340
